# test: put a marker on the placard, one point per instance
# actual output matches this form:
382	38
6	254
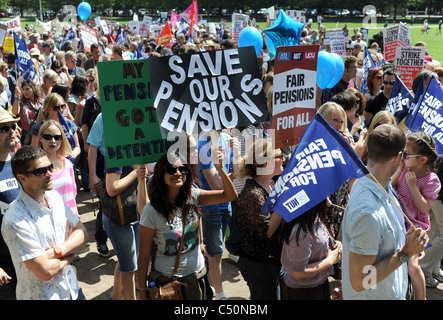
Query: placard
130	124
206	91
393	37
409	61
294	93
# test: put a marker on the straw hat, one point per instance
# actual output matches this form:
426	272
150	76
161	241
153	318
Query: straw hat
6	117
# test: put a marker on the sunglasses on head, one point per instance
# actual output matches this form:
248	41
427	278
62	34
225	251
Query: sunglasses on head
172	170
42	171
391	82
6	128
49	137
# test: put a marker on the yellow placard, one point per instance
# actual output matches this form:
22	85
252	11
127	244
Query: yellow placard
9	44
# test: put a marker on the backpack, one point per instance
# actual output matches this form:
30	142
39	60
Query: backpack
233	242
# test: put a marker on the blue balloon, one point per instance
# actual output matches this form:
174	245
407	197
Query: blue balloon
84	10
339	69
270	45
251	36
284	31
325	69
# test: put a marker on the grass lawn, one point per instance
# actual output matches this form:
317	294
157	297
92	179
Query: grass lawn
433	42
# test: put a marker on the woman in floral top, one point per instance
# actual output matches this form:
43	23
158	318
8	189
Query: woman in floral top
259	262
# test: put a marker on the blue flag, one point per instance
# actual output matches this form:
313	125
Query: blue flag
22	59
412	112
428	114
183	26
121	36
368	64
400	100
66	130
320	164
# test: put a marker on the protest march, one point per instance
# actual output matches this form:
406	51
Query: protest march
311	156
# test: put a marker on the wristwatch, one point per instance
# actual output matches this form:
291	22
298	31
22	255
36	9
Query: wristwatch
58	251
402	256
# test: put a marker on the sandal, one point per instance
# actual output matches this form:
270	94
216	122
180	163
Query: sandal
337	293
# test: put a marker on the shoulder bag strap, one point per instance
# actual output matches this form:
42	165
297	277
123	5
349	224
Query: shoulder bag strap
177	260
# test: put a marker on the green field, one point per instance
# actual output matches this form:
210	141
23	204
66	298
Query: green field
433	42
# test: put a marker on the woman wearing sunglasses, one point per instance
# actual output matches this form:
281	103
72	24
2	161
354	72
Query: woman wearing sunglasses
50	111
375	82
172	199
53	141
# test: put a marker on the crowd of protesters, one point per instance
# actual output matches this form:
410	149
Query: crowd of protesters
355	227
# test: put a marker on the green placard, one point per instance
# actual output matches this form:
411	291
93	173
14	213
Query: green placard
130	124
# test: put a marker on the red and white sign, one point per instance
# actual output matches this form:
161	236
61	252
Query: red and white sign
395	36
294	92
409	61
13	24
88	37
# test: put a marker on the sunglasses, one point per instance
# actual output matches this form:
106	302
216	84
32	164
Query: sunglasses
379	77
172	170
91	80
280	157
59	107
49	137
42	171
6	128
391	82
406	155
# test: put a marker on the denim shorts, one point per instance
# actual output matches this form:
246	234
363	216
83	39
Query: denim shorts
214	224
124	239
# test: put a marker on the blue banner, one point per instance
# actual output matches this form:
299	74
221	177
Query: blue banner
412	112
121	36
400	100
183	26
22	59
427	115
368	64
320	164
66	130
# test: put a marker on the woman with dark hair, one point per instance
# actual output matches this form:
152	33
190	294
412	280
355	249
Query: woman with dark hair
174	205
307	257
76	100
27	104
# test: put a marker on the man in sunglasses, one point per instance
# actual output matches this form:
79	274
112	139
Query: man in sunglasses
9	190
378	102
41	232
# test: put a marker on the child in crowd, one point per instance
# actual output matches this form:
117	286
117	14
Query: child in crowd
417	187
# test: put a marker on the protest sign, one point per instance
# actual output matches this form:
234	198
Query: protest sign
8	45
207	91
88	37
13	24
131	131
294	92
239	22
134	26
393	37
321	162
338	47
3	32
409	61
427	113
334	35
400	100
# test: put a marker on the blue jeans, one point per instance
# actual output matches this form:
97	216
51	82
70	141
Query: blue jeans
124	239
214	230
